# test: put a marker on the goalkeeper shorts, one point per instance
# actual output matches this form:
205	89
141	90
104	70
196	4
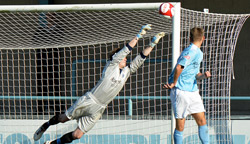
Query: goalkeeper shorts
86	111
185	103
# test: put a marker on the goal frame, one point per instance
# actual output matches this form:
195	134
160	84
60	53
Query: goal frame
81	7
101	7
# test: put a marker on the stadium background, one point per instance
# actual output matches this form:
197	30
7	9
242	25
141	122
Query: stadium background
241	84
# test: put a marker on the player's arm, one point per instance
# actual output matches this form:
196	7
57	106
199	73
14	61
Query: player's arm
178	70
201	76
129	46
142	32
139	59
154	41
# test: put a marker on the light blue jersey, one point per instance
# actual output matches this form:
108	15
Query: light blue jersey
190	58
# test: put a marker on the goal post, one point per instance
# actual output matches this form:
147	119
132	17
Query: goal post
50	55
175	53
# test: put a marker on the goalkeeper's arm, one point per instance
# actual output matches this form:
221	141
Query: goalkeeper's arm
142	32
138	61
119	54
154	41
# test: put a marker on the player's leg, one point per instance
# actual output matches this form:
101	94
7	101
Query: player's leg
69	114
200	118
68	138
203	129
178	133
54	120
198	112
84	125
180	104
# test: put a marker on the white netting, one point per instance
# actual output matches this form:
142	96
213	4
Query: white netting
49	59
221	33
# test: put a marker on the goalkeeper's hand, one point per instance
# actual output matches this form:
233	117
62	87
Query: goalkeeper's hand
156	39
143	30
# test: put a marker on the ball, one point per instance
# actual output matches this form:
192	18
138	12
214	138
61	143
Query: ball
166	10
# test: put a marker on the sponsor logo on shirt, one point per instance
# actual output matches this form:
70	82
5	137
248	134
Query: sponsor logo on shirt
187	57
114	81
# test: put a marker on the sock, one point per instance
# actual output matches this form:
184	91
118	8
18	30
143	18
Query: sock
54	142
57	141
203	134
67	138
45	126
54	120
178	137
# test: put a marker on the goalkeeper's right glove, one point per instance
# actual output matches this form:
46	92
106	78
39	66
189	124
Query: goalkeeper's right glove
156	39
143	30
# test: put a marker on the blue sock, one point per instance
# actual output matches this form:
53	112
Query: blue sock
178	137
203	134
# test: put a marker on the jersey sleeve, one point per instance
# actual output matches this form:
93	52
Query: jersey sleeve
137	62
118	57
186	58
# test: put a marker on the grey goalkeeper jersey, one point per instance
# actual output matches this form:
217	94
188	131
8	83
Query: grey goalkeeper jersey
113	79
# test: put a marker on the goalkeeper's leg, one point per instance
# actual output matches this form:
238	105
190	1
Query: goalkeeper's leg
68	138
54	120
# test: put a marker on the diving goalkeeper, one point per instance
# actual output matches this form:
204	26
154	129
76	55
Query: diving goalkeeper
88	109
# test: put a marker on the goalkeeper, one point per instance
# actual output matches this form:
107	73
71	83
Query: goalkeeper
88	109
184	90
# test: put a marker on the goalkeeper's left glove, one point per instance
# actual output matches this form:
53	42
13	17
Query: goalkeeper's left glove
156	39
143	30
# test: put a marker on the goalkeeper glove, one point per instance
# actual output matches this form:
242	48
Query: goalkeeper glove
156	39
143	30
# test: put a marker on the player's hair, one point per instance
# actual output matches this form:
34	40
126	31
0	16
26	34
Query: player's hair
196	34
116	50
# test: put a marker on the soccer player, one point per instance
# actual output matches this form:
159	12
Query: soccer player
88	109
184	93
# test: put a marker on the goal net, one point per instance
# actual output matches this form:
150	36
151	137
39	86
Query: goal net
51	55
